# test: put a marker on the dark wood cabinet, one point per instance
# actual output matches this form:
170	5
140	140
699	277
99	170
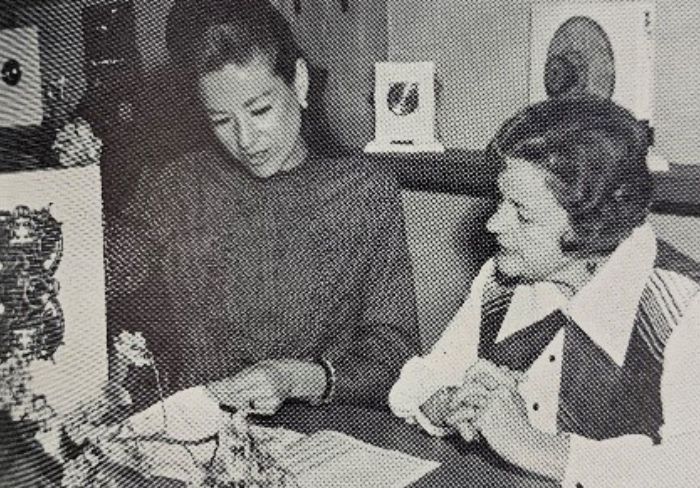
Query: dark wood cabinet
111	63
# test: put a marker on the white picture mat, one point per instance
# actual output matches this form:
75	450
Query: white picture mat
76	201
629	26
419	125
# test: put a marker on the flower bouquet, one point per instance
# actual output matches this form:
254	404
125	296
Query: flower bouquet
96	445
243	459
76	144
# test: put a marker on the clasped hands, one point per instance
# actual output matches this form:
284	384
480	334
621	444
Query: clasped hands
487	403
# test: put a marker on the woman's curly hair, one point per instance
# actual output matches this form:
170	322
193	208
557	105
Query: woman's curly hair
595	154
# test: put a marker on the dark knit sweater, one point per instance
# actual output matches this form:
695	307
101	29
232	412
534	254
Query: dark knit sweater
308	263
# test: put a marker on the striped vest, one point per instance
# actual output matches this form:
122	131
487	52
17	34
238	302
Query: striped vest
597	398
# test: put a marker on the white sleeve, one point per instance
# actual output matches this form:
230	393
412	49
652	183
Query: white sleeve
633	461
446	363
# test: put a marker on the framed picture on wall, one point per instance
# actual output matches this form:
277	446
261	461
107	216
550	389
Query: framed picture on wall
404	103
72	274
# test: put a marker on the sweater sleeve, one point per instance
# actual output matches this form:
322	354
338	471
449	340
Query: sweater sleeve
387	334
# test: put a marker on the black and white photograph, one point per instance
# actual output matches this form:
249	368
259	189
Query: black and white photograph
349	244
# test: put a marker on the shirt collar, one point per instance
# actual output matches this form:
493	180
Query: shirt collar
606	307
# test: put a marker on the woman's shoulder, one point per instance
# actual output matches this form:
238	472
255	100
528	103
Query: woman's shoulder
183	173
361	174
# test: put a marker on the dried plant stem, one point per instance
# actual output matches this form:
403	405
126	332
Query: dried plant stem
161	397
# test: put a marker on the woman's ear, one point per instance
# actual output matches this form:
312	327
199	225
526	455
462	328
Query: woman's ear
301	82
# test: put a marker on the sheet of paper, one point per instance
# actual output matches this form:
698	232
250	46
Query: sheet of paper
335	460
178	444
327	458
191	414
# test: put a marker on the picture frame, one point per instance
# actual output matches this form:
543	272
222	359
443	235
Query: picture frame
404	103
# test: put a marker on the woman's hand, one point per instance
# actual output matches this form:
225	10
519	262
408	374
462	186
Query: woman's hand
489	403
438	407
505	426
474	396
503	422
467	403
263	387
491	375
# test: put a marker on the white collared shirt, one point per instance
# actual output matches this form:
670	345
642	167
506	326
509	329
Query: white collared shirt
605	309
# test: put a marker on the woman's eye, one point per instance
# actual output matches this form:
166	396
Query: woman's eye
523	219
220	122
261	110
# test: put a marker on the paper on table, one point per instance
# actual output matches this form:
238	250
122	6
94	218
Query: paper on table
335	460
327	458
193	416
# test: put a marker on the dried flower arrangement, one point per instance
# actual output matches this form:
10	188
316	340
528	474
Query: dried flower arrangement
241	458
76	144
74	450
244	460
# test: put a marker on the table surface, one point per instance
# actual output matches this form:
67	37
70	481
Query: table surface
462	465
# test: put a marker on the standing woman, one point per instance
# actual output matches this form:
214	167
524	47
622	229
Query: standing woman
275	273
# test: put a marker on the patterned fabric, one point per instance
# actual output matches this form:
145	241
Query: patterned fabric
511	351
599	399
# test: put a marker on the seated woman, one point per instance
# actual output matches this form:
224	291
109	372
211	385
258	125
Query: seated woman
575	354
274	273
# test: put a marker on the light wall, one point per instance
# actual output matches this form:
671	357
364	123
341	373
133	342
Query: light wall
681	232
481	48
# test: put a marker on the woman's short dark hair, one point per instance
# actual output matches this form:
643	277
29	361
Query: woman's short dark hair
205	35
595	154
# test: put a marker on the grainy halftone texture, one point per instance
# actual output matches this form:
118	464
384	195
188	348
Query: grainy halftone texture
481	50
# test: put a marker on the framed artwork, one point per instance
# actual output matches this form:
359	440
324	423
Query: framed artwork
69	275
404	102
602	48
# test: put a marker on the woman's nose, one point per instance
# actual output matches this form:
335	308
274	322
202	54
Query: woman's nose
247	135
497	223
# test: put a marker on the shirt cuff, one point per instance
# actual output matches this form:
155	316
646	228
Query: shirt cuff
611	463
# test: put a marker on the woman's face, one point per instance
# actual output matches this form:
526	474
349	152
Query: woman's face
256	115
528	224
